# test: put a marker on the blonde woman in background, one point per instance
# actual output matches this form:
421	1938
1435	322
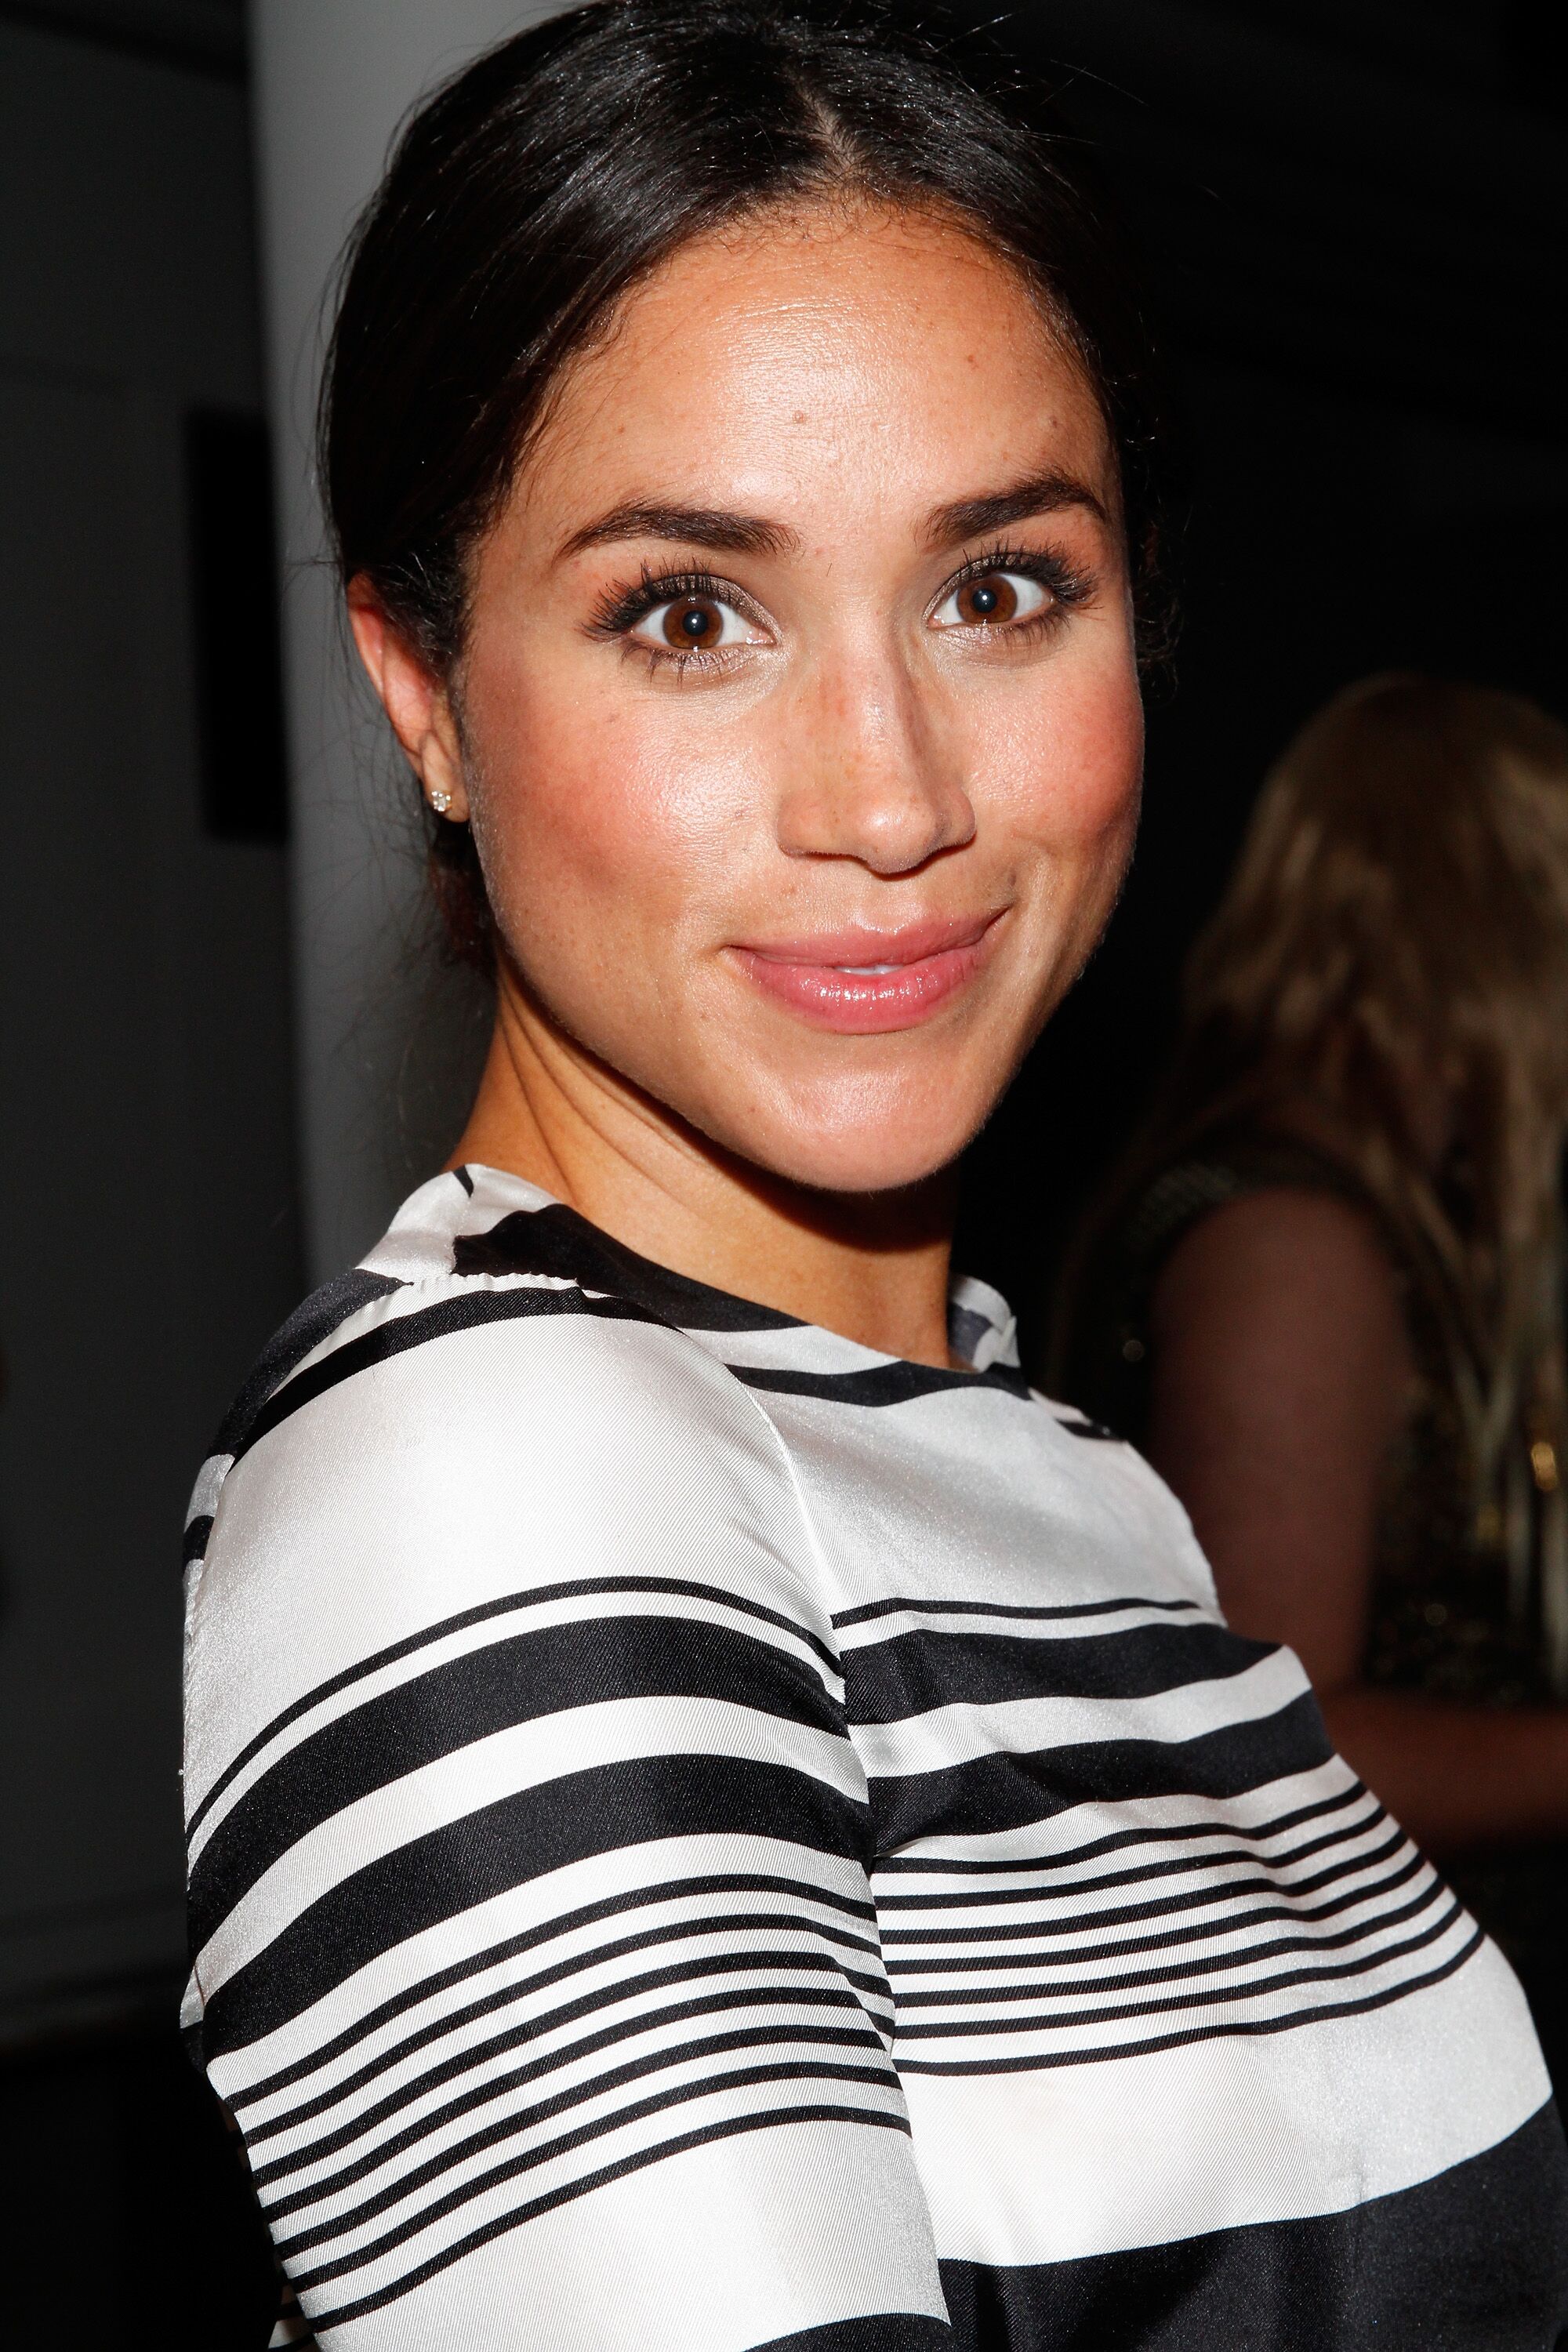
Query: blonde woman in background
1327	1299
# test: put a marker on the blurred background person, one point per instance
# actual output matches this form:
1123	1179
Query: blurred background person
1326	1294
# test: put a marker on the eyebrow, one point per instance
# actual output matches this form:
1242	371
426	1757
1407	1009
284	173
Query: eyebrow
714	527
1036	494
729	533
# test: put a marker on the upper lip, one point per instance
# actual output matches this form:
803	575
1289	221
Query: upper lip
858	946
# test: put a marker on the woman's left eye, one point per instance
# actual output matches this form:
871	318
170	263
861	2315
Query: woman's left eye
991	600
695	623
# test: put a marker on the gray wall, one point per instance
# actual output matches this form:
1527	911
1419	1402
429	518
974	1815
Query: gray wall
147	1235
385	1051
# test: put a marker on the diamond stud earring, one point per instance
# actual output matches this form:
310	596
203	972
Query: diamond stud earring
440	800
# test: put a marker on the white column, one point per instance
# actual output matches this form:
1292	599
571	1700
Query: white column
384	1049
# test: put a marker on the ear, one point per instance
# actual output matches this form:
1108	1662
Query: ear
414	700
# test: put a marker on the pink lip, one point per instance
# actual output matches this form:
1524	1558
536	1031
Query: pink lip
824	979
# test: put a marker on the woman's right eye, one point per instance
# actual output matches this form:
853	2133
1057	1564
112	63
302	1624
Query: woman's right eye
696	624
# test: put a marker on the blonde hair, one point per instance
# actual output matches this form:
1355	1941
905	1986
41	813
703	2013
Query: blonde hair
1390	959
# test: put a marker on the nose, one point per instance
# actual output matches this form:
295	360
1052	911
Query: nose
872	779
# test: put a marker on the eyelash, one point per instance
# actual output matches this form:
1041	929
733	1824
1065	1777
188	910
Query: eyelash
621	609
1066	587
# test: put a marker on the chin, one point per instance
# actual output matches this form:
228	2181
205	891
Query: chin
887	1152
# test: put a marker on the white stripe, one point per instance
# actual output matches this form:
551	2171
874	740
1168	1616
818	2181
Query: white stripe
958	1733
524	1756
1058	1838
1079	2028
590	1608
1226	1934
590	2103
560	2172
1200	1882
917	1619
209	1481
469	1934
710	2250
1076	2160
767	1983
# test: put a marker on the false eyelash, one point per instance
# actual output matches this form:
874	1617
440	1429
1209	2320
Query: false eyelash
621	608
1068	586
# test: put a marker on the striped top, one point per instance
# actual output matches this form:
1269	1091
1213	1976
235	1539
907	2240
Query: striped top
704	1836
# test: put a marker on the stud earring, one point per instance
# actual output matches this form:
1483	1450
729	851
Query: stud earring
440	800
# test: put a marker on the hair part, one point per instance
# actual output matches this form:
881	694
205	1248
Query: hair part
534	193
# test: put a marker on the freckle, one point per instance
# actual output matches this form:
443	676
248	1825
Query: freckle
799	417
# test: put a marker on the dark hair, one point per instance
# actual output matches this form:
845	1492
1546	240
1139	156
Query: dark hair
528	196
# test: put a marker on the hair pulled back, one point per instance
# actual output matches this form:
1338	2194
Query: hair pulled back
527	196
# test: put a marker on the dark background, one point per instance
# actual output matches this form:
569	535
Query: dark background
1354	214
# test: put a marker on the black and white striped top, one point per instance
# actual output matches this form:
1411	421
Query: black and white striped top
703	1836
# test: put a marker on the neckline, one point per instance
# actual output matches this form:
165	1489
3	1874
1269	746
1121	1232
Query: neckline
493	1224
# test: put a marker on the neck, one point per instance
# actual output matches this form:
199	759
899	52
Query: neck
874	1267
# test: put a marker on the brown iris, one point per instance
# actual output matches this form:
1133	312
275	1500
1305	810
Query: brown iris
693	624
991	598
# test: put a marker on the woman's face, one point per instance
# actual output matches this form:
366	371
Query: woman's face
799	718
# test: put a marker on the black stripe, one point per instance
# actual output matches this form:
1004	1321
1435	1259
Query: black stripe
566	1589
825	1996
892	1383
197	1530
729	2128
1003	1792
850	1988
902	2331
555	1241
1227	1961
566	1923
1231	1923
1112	2012
522	1678
1197	1898
1221	2030
1084	1427
678	2094
508	1844
912	1674
1270	1869
1114	1842
1474	2260
511	2125
753	1997
467	1311
309	1325
465	1180
899	1608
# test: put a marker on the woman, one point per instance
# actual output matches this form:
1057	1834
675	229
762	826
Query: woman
1329	1303
718	1819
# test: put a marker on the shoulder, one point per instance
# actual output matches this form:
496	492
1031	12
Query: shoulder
1311	1260
1281	1355
422	1444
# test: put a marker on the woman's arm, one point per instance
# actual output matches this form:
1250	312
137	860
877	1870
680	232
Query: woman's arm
1281	1374
535	1952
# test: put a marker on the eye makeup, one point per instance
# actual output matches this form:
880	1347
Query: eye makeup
1063	586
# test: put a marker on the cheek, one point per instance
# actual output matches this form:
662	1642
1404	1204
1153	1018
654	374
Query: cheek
1069	768
582	818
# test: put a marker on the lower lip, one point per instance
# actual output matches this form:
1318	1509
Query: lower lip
865	1003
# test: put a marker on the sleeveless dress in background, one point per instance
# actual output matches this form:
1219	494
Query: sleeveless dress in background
1442	1621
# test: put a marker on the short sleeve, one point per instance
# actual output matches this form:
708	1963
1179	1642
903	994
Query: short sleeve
534	1952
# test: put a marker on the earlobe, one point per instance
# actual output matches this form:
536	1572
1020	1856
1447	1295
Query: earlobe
414	700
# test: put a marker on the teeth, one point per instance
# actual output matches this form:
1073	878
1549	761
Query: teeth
869	970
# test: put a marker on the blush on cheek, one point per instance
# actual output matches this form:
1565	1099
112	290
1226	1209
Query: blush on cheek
1076	773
